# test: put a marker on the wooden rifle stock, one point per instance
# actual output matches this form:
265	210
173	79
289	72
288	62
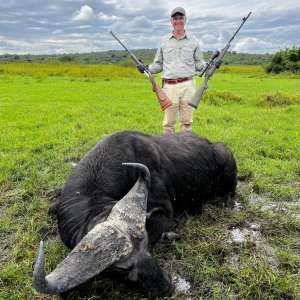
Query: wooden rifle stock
162	98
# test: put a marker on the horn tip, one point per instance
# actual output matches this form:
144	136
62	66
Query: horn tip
41	250
38	278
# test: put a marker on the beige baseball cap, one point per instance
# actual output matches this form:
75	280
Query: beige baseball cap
178	10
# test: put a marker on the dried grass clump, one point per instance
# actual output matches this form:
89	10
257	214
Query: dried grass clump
277	99
221	97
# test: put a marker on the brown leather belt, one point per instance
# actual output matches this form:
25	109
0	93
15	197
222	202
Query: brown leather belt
174	81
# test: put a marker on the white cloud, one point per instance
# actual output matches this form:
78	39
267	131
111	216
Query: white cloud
60	51
141	21
85	13
138	24
9	22
104	17
17	43
209	38
36	28
251	44
65	41
85	26
58	31
130	6
50	28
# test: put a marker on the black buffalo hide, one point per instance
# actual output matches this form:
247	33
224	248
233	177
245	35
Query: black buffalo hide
186	171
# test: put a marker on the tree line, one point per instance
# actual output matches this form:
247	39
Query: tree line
121	57
287	60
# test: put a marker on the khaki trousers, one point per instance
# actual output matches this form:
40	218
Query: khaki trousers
179	94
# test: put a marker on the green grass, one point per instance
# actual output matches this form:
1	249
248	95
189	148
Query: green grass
50	116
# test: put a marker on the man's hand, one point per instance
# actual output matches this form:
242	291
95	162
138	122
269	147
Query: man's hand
141	68
218	64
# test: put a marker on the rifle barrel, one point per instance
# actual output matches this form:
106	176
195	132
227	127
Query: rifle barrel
163	99
119	41
244	20
211	67
127	50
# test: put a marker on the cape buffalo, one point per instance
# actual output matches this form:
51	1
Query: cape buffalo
186	171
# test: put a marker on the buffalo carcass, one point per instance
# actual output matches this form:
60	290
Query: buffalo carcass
186	171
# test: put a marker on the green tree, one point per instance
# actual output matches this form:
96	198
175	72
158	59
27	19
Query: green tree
285	60
66	58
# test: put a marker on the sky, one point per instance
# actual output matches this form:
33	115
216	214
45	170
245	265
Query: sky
63	26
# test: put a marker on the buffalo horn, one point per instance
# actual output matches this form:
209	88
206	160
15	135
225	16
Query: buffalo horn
106	244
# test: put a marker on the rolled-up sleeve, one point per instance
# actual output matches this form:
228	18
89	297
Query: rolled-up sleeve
198	57
157	64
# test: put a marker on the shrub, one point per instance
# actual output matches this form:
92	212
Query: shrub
221	97
277	99
285	60
66	58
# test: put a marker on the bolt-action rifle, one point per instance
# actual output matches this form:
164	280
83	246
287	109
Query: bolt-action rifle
210	68
163	99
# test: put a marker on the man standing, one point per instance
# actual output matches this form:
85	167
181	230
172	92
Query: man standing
178	58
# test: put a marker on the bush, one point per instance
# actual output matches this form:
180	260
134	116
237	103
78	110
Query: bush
221	97
66	58
285	61
277	99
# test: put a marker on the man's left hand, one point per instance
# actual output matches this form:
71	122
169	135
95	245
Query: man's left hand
218	64
141	68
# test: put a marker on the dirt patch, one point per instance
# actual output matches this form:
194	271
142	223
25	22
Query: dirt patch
6	236
5	247
73	161
251	234
292	208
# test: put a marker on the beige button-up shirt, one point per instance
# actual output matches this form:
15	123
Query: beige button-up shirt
178	58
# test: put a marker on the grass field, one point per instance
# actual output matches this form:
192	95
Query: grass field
51	115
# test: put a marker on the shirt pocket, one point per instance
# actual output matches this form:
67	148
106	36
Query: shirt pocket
187	54
169	54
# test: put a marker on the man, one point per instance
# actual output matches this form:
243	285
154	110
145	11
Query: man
178	58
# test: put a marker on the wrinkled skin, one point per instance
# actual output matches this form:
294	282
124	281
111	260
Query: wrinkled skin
119	243
186	171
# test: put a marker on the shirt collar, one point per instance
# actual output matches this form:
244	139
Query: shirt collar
185	36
